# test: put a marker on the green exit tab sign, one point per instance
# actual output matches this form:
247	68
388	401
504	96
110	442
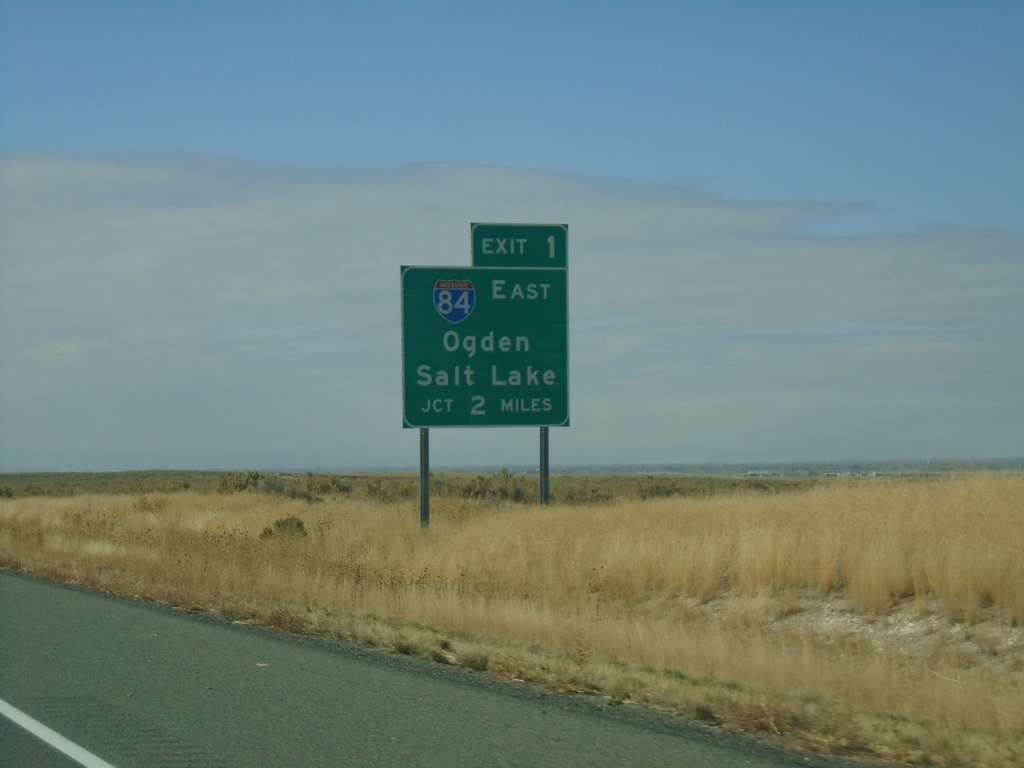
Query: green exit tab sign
520	245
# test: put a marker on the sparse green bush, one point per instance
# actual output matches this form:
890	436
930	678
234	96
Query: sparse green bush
656	488
501	486
149	504
388	491
316	487
582	494
290	526
233	482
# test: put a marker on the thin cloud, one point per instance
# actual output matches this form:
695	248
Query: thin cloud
183	310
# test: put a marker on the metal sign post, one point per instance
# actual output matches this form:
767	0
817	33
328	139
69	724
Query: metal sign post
545	475
424	477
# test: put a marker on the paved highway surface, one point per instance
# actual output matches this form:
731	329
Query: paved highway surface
135	684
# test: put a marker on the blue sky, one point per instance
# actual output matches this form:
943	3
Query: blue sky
796	229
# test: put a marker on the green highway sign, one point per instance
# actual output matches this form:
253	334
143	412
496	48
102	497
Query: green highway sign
485	346
520	245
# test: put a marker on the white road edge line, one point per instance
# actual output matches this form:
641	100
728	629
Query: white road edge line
79	754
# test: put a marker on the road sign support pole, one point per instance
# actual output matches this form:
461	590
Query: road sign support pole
545	477
424	478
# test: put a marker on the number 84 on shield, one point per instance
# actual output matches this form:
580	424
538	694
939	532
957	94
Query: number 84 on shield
454	299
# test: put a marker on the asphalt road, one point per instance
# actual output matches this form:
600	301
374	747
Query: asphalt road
143	685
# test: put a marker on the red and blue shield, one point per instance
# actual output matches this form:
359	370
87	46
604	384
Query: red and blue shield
454	299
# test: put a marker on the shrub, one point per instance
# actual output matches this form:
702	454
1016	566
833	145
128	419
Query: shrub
233	482
388	490
501	486
285	526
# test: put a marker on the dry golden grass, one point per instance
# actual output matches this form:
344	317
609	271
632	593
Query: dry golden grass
874	616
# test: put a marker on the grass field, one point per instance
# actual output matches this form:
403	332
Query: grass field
881	617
